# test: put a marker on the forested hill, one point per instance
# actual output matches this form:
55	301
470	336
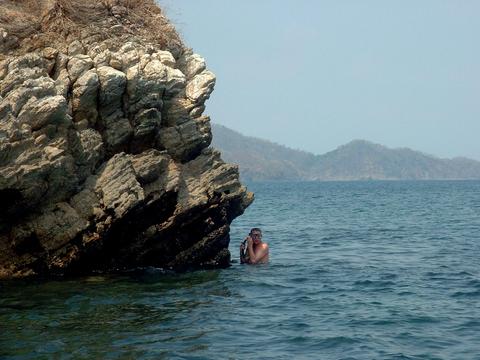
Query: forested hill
358	160
261	159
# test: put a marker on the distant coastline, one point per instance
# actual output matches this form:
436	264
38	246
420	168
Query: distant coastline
359	160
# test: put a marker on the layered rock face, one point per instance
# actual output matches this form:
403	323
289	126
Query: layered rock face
105	161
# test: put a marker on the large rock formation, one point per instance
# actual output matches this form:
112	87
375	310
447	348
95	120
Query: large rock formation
104	149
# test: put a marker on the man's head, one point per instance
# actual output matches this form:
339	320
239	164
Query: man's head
256	235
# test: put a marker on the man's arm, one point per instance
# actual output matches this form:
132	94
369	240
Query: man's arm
255	258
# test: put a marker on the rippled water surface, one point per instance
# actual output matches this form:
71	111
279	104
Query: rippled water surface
363	270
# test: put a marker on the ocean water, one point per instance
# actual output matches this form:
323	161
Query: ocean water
359	270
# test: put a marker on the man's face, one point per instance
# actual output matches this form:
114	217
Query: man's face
256	237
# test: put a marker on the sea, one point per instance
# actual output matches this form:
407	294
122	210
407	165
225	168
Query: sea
358	270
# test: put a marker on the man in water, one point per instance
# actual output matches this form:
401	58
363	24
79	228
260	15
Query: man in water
256	251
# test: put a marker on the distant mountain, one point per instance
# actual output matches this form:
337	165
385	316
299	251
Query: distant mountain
261	159
358	160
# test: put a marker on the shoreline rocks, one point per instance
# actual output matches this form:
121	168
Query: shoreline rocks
105	162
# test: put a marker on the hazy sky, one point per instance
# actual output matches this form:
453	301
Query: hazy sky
314	74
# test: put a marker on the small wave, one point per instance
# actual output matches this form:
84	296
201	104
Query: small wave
474	283
464	273
383	230
445	276
470	325
405	293
300	280
300	300
325	343
337	341
422	319
389	276
263	284
318	271
466	294
374	283
369	322
402	356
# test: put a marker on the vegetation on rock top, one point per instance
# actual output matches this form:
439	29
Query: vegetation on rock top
26	25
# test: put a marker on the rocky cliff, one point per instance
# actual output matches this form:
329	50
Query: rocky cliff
104	149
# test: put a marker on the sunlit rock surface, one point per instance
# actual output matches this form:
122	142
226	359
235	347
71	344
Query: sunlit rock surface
105	161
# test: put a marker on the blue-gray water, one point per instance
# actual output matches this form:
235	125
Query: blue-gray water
359	270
